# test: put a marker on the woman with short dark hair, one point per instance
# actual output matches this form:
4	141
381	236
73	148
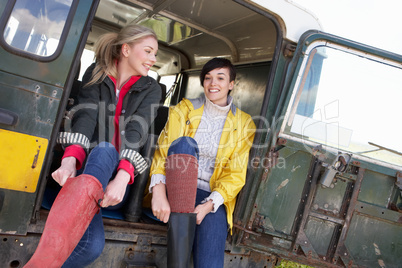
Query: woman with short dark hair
199	167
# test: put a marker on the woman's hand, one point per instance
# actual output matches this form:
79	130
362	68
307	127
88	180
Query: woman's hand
66	170
202	210
160	204
116	189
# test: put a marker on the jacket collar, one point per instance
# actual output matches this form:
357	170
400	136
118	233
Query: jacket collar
142	83
200	101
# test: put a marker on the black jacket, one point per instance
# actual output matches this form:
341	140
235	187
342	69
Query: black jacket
92	117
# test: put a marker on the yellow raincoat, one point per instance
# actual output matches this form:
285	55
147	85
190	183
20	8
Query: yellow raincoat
232	157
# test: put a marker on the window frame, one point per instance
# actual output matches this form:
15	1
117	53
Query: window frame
22	53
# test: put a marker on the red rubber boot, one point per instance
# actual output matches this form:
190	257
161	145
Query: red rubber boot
68	219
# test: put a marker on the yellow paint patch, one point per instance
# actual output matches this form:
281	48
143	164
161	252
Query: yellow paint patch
21	159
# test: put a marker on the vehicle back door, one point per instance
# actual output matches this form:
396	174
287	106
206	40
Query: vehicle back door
327	192
41	43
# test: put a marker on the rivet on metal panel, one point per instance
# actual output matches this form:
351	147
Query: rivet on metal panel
37	87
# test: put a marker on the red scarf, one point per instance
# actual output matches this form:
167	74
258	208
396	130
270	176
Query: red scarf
123	91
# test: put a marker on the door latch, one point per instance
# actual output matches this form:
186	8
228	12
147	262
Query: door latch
339	165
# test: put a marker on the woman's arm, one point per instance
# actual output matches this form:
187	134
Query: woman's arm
173	129
116	189
65	171
202	210
160	204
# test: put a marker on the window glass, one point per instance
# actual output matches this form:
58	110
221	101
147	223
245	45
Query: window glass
170	82
350	102
36	26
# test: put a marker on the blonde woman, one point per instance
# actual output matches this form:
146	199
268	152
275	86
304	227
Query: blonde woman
110	123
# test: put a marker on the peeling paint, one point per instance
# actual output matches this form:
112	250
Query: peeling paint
378	253
8	232
295	168
376	249
283	184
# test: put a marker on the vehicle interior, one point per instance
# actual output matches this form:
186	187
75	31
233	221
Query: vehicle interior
324	177
190	33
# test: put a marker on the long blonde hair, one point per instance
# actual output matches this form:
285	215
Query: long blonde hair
109	46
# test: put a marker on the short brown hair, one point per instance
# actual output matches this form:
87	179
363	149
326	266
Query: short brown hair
217	63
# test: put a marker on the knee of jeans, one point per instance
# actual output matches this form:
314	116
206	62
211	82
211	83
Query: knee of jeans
105	149
86	253
96	248
184	145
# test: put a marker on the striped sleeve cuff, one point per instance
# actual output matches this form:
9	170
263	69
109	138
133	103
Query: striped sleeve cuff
66	139
136	160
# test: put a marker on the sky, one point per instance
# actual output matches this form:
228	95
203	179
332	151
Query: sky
376	23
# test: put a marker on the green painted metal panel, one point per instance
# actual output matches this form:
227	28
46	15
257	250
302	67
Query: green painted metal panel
319	233
35	103
329	200
282	192
10	203
377	188
373	242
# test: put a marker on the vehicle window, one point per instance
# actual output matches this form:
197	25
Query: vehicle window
350	102
169	82
36	26
87	58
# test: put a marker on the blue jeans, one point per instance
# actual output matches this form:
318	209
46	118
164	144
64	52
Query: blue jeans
101	163
210	237
211	234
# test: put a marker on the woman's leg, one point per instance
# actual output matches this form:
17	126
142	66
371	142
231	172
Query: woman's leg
210	237
181	184
102	163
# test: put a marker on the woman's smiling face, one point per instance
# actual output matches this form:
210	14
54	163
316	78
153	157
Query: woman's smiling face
142	56
217	85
